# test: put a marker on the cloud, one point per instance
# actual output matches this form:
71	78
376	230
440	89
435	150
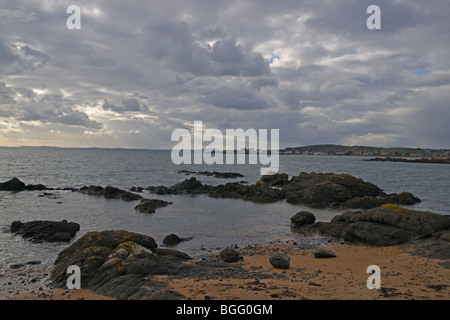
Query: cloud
128	105
136	71
174	43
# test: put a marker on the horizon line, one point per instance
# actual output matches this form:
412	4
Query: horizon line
168	149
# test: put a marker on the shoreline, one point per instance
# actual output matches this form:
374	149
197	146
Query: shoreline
403	277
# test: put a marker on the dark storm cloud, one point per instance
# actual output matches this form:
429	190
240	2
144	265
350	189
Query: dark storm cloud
128	105
174	43
16	58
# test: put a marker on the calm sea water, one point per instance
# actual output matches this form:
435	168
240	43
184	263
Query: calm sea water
212	223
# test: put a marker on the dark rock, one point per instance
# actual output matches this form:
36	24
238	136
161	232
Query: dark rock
150	205
229	255
301	218
45	231
12	185
312	189
114	193
324	253
40	187
119	264
173	239
386	225
261	192
404	198
161	190
280	260
110	192
223	175
366	202
276	180
187	185
323	189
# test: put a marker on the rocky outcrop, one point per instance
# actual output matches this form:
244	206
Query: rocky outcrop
150	205
323	189
215	174
311	189
16	185
276	180
110	192
45	231
120	264
385	225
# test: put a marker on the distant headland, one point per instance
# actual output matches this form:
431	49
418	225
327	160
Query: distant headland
340	150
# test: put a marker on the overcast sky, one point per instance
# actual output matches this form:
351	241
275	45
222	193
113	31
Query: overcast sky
137	70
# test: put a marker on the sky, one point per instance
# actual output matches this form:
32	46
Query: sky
138	70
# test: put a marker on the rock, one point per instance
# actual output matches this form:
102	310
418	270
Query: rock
366	202
404	198
280	260
386	225
276	180
311	189
324	253
150	205
161	190
12	185
45	231
323	189
120	264
110	192
301	218
187	185
173	239
446	236
215	174
229	255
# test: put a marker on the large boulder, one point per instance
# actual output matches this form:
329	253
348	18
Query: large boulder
119	264
45	231
280	261
229	255
301	218
386	225
324	189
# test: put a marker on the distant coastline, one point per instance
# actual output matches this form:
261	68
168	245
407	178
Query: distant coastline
340	150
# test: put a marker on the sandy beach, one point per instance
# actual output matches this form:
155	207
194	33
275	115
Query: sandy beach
403	277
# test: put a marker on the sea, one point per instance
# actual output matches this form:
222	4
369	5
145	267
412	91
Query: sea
210	223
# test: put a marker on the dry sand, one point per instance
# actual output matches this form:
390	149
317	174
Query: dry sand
403	276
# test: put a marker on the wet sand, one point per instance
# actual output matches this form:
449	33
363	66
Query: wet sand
403	276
